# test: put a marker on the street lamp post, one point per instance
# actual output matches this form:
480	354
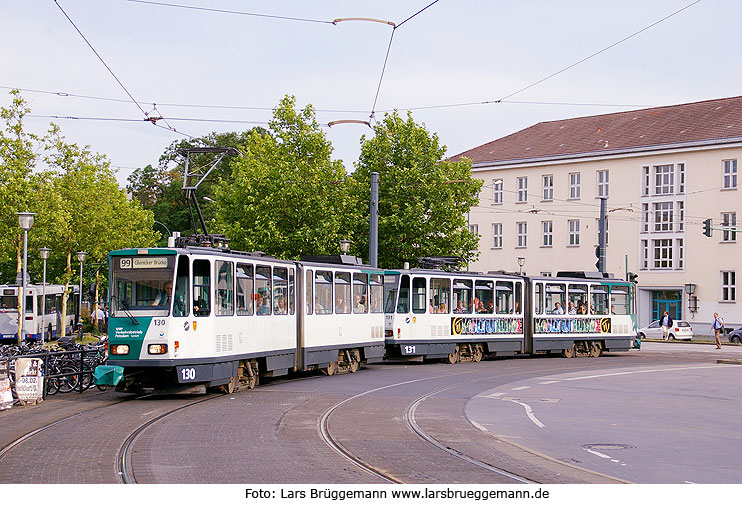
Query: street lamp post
44	254
25	220
81	258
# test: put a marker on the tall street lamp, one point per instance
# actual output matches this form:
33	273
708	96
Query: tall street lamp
81	258
25	220
44	254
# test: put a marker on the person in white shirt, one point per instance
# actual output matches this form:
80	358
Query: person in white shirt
717	327
558	308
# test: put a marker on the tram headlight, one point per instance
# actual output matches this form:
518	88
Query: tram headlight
120	349
157	349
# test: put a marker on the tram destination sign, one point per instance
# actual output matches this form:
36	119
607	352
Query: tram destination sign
143	263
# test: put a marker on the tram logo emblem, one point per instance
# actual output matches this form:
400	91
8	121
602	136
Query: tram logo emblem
605	325
186	326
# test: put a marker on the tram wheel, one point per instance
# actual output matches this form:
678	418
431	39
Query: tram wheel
569	352
454	356
478	353
331	368
595	349
355	361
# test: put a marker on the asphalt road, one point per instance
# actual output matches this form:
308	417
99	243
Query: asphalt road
665	414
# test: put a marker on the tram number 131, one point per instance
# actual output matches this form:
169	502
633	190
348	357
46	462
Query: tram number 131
409	350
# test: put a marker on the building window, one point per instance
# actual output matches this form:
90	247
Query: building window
729	224
497	191
681	177
645	218
645	182
664	179
497	235
681	253
574	185
730	174
522	189
663	254
522	229
645	254
602	183
548	187
474	229
663	219
574	232
681	216
728	286
547	228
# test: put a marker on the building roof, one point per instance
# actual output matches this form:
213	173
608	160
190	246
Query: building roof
685	125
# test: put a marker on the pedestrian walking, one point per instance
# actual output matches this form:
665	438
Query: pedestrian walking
666	323
717	327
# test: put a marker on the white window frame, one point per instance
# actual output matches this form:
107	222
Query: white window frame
574	232
574	185
728	286
663	216
602	178
474	228
645	254
497	191
646	180
522	189
664	179
680	246
521	228
497	235
548	186
729	221
662	253
547	228
729	174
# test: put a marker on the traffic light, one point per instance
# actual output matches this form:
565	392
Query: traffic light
633	277
707	227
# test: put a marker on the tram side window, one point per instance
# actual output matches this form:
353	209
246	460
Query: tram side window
555	298
309	291
440	294
462	295
391	285
244	289
403	304
377	293
504	294
598	299
538	303
360	295
323	292
518	298
280	290
484	292
419	292
578	298
201	287
263	290
224	289
181	302
620	299
342	292
292	291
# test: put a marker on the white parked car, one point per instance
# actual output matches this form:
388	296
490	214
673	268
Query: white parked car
680	330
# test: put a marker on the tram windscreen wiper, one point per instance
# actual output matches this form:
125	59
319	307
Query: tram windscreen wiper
125	306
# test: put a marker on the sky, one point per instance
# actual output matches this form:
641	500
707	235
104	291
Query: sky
207	71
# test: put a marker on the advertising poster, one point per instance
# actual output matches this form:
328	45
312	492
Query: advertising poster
29	383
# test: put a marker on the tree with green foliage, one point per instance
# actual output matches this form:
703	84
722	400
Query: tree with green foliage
424	199
285	196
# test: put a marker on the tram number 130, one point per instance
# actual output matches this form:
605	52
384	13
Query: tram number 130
187	374
409	350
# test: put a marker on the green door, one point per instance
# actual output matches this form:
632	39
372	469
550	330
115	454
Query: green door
666	300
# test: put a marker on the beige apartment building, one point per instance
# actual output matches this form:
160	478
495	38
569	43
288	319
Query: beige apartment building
664	171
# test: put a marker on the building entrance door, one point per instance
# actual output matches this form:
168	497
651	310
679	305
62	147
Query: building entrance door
667	300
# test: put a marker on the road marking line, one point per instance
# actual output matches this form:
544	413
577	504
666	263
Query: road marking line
530	414
601	455
641	372
549	382
521	388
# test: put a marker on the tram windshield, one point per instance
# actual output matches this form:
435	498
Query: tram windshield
391	285
142	285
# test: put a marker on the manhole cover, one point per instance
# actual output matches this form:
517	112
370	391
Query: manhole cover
608	446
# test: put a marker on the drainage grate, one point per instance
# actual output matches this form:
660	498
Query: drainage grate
608	446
